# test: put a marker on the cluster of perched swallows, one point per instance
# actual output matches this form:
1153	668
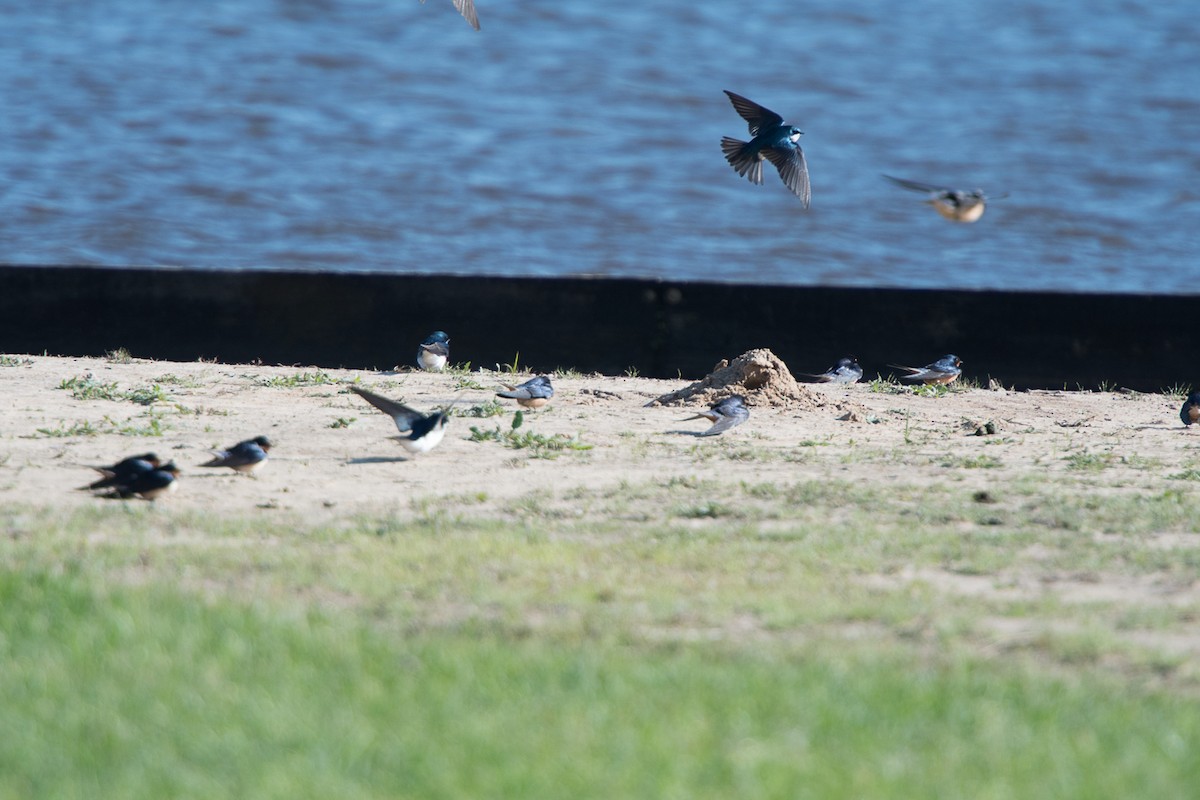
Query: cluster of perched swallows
146	476
779	142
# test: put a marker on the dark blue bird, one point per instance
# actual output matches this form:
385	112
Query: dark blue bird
773	140
245	457
1190	412
420	433
123	471
724	415
533	393
846	370
958	205
434	353
945	370
149	484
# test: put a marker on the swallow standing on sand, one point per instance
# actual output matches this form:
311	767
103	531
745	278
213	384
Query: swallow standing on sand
245	457
846	370
467	9
945	370
1190	412
724	415
123	471
149	484
533	393
434	352
953	204
421	432
773	140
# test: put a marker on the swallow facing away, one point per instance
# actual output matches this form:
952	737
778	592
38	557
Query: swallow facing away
245	457
846	370
467	9
773	140
123	471
724	415
420	432
953	204
1190	412
434	352
945	370
533	393
149	484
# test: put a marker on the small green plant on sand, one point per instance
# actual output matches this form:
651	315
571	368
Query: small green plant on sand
539	445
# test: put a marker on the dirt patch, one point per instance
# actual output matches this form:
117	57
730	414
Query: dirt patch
758	375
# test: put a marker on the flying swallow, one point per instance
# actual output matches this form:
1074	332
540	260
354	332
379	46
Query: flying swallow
149	485
421	432
772	139
123	471
1191	409
953	204
434	352
724	415
244	457
945	370
533	393
846	370
467	9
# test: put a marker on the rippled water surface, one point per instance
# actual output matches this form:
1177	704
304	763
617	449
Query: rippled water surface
572	138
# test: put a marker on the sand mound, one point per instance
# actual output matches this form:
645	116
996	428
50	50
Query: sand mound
758	375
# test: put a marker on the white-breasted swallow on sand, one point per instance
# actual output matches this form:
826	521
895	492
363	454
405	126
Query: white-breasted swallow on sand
434	353
123	471
772	139
945	370
245	457
420	433
954	204
1190	413
846	370
148	484
724	414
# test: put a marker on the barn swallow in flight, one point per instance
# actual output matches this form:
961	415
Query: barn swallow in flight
533	393
434	352
945	370
421	432
772	139
724	415
1190	412
953	204
846	370
467	9
244	457
123	471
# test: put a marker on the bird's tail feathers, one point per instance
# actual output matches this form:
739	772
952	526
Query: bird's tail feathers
748	165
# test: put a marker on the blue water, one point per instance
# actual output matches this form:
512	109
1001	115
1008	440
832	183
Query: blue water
571	138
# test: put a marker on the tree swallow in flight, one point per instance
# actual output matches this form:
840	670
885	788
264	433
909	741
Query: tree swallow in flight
420	432
724	415
772	139
434	352
244	457
533	393
953	204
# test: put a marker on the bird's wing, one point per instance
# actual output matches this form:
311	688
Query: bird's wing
725	422
753	113
467	9
400	413
792	169
916	186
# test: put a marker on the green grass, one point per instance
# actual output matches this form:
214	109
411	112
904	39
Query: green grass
315	378
676	636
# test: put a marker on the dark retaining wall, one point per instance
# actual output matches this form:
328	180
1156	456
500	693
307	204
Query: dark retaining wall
663	329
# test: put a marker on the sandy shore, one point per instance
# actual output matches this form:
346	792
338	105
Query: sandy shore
333	456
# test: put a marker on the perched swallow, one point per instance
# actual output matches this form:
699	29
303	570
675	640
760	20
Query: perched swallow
724	415
245	457
533	393
772	139
421	432
467	9
434	352
846	370
1191	409
123	471
149	485
945	370
953	204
